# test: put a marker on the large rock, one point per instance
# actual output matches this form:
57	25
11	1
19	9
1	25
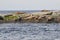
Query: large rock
36	17
1	18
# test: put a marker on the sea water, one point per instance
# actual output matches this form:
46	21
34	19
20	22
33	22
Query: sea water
30	31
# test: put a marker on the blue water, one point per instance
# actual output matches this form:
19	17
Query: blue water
30	31
11	11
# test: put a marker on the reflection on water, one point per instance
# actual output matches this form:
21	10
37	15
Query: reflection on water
29	31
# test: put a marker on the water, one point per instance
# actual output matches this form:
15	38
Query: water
27	11
11	11
30	31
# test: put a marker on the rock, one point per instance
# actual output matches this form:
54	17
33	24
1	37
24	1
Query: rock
43	19
18	20
57	20
8	15
1	18
36	17
51	20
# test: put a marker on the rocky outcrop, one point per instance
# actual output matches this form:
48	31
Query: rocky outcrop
35	17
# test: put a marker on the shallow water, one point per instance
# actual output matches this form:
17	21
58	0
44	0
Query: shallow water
30	31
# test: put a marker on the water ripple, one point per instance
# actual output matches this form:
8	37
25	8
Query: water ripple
29	31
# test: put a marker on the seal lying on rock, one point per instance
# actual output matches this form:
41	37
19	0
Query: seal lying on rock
49	13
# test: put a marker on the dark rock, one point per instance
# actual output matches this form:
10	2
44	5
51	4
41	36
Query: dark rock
8	15
18	20
1	18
